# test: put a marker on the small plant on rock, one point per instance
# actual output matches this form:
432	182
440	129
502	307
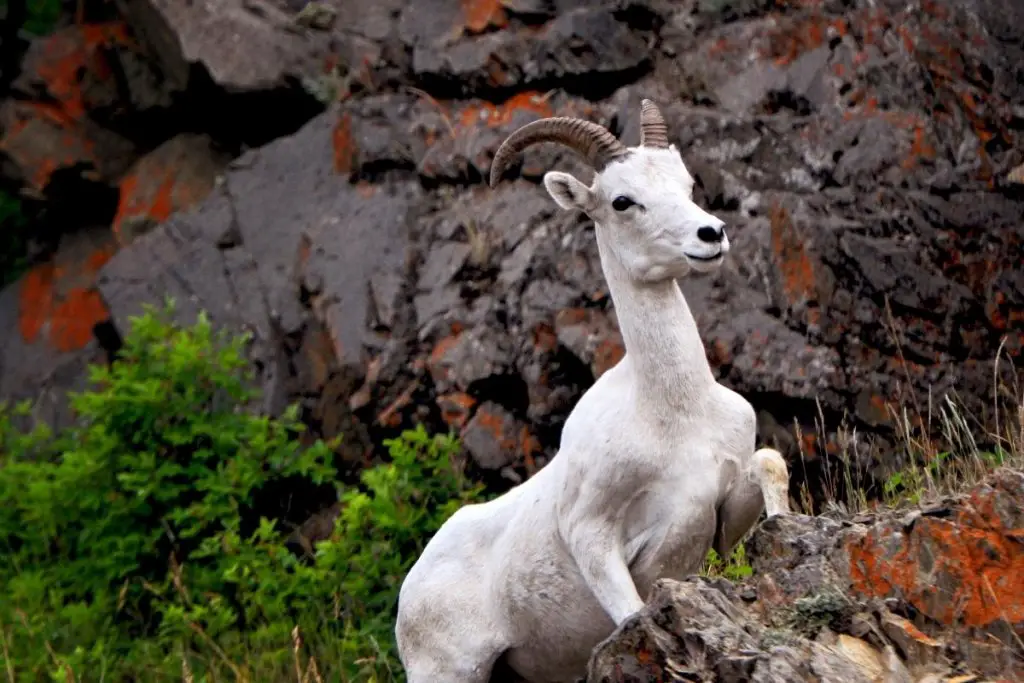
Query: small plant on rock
827	609
736	567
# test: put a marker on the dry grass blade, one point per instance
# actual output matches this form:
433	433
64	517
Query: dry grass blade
437	105
313	671
198	630
8	664
296	646
186	669
1016	175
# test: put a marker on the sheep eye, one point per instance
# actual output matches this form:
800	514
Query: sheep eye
622	203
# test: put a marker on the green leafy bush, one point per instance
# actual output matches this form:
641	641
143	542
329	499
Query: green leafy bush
13	238
133	548
42	16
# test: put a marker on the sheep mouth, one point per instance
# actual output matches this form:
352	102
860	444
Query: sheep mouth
705	259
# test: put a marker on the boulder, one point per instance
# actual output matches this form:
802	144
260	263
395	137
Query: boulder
51	313
876	226
285	248
926	594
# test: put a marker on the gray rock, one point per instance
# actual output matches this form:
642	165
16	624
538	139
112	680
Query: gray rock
493	437
580	42
819	606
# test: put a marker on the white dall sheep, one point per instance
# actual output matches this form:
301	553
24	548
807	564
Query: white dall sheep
656	462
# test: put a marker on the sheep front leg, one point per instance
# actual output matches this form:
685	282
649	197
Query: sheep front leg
602	563
591	529
764	486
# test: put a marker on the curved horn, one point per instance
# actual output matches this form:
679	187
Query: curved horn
592	141
653	131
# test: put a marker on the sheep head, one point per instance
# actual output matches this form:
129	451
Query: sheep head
641	198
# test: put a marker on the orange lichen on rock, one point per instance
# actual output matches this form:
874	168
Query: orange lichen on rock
493	115
73	318
967	570
498	425
794	37
920	148
439	369
608	352
799	277
480	15
69	53
343	144
176	176
544	338
54	132
41	139
60	305
455	408
35	301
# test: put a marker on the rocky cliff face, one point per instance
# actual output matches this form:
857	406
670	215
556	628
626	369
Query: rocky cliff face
312	172
925	596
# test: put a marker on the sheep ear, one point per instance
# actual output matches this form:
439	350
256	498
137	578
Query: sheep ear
568	192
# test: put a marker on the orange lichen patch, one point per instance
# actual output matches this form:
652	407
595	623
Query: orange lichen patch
799	277
40	138
530	446
935	9
571	316
44	136
608	352
793	37
544	338
719	353
719	47
73	51
480	15
130	204
455	408
73	318
493	115
808	445
920	148
366	189
965	571
60	305
175	176
498	425
343	144
36	299
436	362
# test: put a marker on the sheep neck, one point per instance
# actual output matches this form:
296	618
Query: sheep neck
663	345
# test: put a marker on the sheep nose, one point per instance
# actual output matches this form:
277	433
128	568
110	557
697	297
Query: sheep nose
709	234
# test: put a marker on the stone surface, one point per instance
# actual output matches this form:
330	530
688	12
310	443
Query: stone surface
175	176
50	314
877	229
287	250
65	78
913	595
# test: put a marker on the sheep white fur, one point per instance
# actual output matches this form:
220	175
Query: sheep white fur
657	461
